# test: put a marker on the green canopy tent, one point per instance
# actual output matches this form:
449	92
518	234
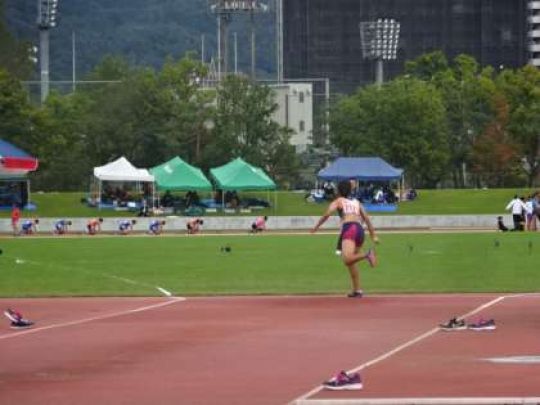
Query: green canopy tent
178	175
240	175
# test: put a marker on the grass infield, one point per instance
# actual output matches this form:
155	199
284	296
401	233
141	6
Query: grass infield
266	264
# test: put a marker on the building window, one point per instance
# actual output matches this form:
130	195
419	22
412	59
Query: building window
302	126
301	97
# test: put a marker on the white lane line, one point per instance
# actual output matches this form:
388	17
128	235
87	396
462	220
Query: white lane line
532	359
173	300
428	401
303	398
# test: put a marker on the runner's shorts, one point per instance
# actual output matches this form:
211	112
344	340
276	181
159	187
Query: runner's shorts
353	231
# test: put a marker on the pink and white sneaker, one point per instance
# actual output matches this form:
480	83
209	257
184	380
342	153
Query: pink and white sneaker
12	315
482	324
371	257
17	320
343	381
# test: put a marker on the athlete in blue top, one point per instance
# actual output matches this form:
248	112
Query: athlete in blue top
156	227
61	226
29	226
352	233
125	226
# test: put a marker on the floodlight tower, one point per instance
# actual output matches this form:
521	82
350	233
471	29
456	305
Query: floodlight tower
380	42
225	9
47	18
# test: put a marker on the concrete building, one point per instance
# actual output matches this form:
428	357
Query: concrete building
295	111
321	38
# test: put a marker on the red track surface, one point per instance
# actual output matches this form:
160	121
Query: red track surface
266	350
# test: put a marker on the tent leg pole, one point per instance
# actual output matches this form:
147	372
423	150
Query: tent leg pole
28	192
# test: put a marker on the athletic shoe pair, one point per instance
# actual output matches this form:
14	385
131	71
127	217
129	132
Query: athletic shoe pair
459	324
344	381
17	320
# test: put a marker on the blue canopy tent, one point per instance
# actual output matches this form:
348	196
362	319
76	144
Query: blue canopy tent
363	169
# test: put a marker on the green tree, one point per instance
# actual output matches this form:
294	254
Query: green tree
15	56
404	122
467	92
244	128
494	155
427	67
145	115
522	90
15	111
61	144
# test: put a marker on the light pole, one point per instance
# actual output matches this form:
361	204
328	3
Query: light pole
379	41
225	9
46	19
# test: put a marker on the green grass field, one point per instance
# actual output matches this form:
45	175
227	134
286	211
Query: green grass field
267	264
429	202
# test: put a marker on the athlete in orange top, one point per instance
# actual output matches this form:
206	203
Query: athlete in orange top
352	233
94	225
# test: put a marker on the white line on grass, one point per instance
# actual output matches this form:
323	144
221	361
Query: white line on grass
173	300
164	291
106	275
303	398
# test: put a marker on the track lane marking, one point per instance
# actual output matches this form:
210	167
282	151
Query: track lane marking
170	301
303	399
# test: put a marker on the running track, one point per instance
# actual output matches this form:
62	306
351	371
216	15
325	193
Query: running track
267	350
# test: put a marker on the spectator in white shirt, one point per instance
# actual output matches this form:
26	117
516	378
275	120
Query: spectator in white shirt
516	206
530	217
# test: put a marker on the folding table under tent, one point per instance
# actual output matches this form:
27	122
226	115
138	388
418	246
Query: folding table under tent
240	175
121	170
15	164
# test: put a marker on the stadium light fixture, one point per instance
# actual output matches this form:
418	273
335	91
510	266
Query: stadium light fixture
225	9
380	40
47	18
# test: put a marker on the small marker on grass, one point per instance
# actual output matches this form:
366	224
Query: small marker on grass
164	291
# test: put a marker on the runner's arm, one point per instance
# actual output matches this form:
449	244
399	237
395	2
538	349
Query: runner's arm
331	208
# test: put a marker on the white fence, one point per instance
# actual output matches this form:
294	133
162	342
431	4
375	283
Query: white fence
225	224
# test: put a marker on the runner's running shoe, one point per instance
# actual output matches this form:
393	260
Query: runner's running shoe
453	324
482	324
356	294
344	381
371	257
17	320
22	324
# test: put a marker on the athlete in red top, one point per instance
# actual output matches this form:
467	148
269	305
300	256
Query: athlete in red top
94	225
15	217
352	233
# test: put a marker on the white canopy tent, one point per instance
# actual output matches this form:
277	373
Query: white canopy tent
122	170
